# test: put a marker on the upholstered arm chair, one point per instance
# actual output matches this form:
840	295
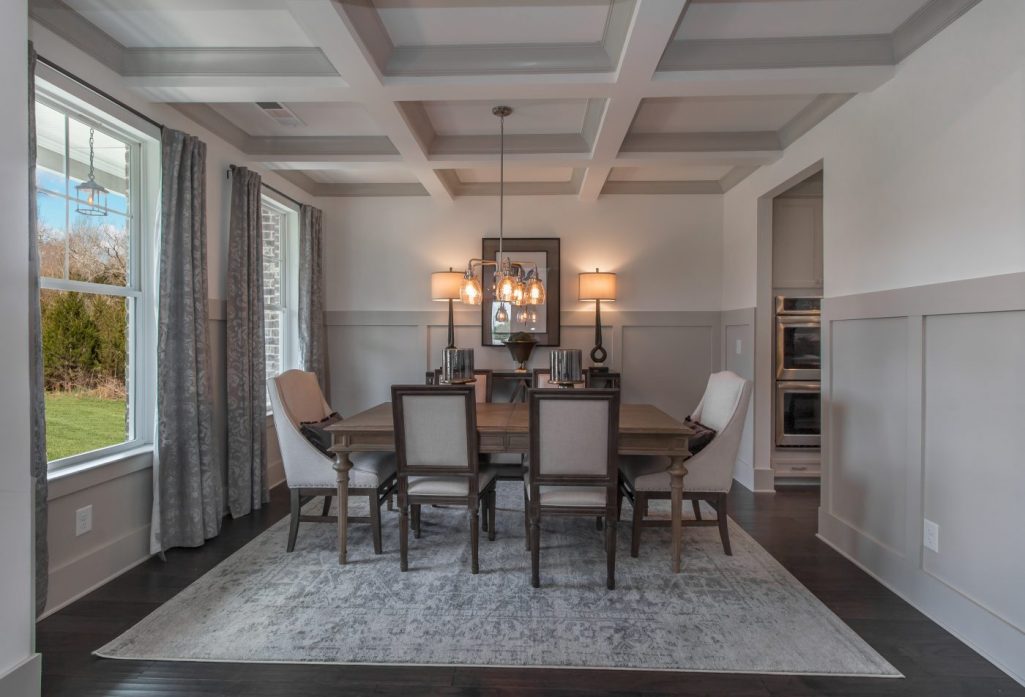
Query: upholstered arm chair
296	398
723	408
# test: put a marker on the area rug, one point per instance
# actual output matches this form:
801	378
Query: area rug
743	614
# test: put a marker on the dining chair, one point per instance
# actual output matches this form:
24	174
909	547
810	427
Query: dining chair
723	408
437	450
296	399
483	388
572	468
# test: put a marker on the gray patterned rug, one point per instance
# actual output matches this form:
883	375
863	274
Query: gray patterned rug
743	614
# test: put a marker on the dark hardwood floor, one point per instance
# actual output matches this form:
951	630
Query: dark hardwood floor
934	662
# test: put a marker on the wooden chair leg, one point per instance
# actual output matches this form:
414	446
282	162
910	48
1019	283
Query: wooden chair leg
416	521
327	505
619	505
696	505
403	537
610	552
492	504
535	553
526	518
293	525
640	505
597	523
391	501
474	540
375	521
724	526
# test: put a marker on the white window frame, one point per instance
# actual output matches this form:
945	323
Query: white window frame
289	277
65	95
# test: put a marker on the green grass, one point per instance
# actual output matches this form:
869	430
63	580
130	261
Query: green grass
77	423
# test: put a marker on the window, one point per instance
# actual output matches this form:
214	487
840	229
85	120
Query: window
280	287
94	302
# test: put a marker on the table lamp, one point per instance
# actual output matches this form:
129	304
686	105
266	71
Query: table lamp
445	286
597	286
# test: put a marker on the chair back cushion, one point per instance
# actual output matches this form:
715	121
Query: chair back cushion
301	396
573	433
434	428
722	397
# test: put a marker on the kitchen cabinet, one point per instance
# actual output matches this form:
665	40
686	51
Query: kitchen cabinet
797	243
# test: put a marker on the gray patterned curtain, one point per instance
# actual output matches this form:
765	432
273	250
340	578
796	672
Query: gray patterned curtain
188	490
312	339
35	337
247	373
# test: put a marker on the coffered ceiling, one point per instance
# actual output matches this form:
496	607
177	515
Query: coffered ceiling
394	97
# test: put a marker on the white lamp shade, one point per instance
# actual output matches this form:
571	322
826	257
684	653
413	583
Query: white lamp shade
445	285
597	285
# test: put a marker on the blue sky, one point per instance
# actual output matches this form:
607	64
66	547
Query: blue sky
51	208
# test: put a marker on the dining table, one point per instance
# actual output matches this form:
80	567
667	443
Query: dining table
644	429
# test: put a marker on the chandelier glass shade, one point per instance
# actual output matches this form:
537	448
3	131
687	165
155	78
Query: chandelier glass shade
515	282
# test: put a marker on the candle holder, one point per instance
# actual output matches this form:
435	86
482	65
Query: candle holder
457	366
565	366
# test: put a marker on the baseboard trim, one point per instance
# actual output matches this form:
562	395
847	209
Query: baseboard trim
24	679
765	480
949	627
118	553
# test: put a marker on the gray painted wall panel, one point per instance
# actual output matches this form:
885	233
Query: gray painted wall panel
667	366
367	360
975	456
869	427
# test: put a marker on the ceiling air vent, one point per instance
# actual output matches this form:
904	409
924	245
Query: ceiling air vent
281	114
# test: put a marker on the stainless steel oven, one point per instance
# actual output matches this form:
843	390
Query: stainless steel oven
798	414
798	339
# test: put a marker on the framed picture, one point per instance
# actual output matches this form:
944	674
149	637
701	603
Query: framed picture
542	320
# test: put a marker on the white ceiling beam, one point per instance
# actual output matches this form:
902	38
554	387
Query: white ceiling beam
330	26
651	29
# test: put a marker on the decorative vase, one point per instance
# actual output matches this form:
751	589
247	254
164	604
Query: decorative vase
521	345
566	367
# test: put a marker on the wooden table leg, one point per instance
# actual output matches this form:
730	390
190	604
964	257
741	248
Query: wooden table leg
677	471
342	468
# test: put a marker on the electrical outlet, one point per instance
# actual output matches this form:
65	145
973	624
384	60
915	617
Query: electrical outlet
931	536
83	520
739	347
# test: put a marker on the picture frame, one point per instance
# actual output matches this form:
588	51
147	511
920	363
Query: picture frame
545	252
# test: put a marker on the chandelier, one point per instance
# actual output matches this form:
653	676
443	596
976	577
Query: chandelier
91	194
515	283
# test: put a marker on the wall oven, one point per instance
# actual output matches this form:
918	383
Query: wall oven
798	370
798	414
798	339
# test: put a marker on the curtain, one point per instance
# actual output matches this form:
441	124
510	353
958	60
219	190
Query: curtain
246	371
312	339
188	489
37	405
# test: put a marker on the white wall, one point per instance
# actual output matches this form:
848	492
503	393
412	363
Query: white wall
924	249
120	534
380	252
18	668
662	332
923	177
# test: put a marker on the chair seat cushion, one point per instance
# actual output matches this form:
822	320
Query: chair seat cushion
572	496
448	486
645	472
370	470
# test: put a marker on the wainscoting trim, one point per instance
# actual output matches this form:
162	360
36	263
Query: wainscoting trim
946	598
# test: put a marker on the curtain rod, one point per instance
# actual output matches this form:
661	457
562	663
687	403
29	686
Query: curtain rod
93	88
280	193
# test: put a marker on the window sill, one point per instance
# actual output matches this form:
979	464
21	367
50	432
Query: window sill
68	480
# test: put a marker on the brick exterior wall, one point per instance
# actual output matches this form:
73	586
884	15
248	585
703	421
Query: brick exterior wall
272	289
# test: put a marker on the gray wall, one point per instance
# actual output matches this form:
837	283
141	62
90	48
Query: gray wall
665	357
924	408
